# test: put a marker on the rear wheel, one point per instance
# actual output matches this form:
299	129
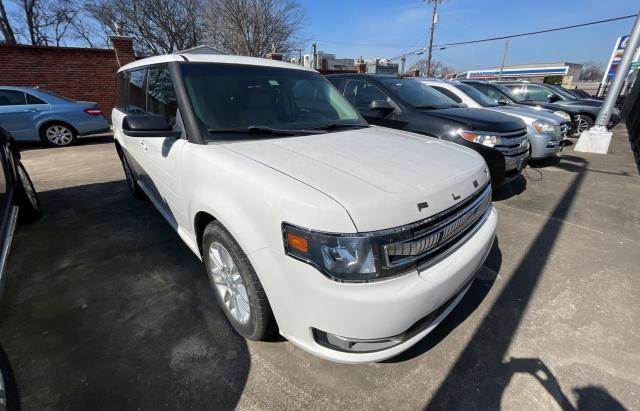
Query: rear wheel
583	123
27	198
237	288
58	135
134	187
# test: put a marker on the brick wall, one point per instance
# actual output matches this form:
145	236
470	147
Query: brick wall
77	73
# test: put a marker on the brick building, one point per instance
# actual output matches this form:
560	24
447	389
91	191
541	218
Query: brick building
77	73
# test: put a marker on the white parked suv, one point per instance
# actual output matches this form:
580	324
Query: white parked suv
355	240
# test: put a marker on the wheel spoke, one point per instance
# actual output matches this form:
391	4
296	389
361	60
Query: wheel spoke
229	283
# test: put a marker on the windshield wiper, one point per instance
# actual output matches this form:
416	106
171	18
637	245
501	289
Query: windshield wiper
332	126
265	130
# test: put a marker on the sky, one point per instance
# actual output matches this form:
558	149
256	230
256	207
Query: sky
387	28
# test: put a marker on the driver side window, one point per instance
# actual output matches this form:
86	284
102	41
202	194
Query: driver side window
361	93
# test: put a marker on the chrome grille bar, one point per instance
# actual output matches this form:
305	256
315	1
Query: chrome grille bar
441	234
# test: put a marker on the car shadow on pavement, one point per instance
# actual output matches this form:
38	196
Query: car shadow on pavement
105	307
511	189
81	141
482	371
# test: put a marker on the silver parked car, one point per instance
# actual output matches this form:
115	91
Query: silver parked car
32	114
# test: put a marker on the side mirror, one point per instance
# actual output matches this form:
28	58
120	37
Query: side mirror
148	125
381	105
502	102
553	98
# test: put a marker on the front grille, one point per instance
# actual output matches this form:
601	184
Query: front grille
513	143
429	239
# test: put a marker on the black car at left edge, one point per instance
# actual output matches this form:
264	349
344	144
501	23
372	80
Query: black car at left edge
405	103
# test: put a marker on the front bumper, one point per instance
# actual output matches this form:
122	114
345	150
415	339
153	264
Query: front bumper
544	145
304	301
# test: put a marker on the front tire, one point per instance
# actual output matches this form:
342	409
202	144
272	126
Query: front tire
236	285
27	198
58	135
583	123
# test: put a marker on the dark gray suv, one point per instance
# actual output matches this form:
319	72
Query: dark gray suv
587	109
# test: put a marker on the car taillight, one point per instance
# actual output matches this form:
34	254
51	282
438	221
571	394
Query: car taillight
93	111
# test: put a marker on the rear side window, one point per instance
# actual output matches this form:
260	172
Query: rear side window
161	97
136	102
121	91
33	99
448	93
12	98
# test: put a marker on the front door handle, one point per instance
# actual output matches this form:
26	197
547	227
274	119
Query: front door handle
30	110
143	145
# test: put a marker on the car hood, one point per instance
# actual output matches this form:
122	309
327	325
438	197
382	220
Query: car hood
479	119
583	103
378	175
530	113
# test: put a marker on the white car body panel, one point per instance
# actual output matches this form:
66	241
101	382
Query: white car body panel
340	182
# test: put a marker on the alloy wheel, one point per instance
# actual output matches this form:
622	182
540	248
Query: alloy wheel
59	135
581	124
229	283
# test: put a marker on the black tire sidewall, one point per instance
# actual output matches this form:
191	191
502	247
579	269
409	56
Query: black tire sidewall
258	326
28	211
133	185
45	140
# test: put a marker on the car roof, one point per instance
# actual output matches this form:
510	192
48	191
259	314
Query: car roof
18	88
212	58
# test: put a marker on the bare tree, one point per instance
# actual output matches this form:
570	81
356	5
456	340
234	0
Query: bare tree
591	71
47	21
438	69
254	27
157	26
5	26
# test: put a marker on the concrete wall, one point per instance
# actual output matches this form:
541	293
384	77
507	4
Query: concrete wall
77	73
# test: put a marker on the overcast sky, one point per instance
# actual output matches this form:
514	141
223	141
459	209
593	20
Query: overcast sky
383	28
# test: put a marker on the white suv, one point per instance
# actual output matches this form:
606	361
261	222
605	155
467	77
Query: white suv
355	240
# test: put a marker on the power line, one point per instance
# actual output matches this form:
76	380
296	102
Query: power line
537	32
445	45
365	44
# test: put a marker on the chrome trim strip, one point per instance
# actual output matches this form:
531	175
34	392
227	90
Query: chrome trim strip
4	254
445	232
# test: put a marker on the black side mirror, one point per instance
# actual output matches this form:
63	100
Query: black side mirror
148	125
553	98
381	105
502	102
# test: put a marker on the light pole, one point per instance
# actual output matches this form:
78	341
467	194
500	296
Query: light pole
434	20
504	58
597	138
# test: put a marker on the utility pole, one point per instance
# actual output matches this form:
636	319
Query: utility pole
434	21
504	58
597	138
402	61
315	56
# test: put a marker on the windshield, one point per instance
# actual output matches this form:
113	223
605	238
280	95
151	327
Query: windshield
228	99
564	93
417	94
513	96
479	98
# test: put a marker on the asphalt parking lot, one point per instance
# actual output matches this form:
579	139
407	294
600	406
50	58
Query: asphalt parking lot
105	307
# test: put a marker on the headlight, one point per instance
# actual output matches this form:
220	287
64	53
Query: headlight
543	127
563	114
342	257
484	139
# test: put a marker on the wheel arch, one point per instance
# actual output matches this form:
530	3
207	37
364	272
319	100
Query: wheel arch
201	220
49	121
